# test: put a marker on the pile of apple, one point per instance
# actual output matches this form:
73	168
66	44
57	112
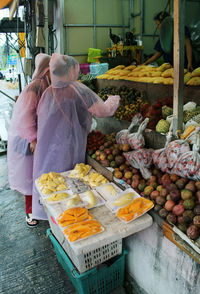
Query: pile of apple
176	199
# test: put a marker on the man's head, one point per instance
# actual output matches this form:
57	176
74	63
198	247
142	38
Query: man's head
160	17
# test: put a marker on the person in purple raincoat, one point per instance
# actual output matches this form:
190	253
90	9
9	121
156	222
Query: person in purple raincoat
22	134
64	121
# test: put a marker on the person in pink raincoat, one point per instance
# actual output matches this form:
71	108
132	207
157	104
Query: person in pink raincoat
64	121
22	134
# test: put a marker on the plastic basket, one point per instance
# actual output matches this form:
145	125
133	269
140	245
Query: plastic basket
85	68
86	261
100	280
93	52
97	69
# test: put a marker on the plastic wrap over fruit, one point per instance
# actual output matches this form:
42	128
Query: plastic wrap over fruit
159	156
121	136
140	159
136	140
188	164
175	149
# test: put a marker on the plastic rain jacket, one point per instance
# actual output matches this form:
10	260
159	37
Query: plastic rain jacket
64	120
23	128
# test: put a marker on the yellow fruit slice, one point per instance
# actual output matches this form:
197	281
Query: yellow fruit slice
123	200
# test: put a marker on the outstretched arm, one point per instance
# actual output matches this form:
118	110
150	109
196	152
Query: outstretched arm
107	108
188	49
153	58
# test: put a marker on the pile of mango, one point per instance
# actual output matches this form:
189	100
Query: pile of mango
163	74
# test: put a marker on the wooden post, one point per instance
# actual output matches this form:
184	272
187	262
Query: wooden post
179	37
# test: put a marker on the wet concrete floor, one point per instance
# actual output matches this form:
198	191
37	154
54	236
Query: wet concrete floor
28	263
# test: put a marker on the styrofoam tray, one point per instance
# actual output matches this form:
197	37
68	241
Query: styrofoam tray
99	199
114	208
69	192
47	195
105	194
127	222
77	186
89	237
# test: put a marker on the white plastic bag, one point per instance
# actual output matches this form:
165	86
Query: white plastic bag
190	106
159	156
188	164
121	136
140	159
136	140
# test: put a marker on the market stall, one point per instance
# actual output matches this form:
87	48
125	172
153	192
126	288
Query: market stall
82	197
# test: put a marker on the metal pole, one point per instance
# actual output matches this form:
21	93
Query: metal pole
179	12
94	24
131	11
46	27
7	96
123	30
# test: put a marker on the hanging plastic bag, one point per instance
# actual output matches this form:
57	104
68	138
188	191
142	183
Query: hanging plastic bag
136	140
159	156
188	164
174	150
140	159
121	136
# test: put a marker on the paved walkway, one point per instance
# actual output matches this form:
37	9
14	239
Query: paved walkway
28	263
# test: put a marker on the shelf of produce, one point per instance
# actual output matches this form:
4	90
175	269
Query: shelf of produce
153	91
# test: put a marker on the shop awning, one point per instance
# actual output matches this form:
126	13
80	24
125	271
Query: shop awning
11	26
4	3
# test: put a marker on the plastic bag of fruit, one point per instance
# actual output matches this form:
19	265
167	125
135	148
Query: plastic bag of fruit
140	159
175	149
188	164
136	140
159	156
121	136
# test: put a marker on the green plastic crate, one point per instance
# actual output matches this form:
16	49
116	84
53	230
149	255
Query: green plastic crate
99	280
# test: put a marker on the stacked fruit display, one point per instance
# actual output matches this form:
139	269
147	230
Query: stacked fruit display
176	199
160	109
130	103
94	141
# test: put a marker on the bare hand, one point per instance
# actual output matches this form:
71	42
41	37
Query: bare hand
33	145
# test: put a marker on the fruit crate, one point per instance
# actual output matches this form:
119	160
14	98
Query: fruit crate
88	260
99	280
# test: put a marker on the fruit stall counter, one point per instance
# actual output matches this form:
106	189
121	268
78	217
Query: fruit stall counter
153	254
70	219
114	228
153	91
169	231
